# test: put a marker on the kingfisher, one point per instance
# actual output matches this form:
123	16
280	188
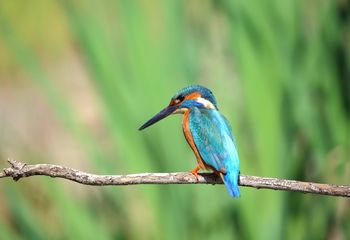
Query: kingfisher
208	133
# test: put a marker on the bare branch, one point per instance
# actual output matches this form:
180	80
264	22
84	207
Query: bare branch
20	170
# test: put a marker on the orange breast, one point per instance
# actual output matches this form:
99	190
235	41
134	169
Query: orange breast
189	139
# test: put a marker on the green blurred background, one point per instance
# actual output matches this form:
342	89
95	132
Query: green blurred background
77	79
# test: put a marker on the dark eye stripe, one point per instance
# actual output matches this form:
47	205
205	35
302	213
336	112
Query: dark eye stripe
180	98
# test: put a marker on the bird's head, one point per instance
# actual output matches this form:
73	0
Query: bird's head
183	100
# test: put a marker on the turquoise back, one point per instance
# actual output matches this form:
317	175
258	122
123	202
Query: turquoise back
214	140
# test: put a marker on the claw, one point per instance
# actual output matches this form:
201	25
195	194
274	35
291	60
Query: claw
195	171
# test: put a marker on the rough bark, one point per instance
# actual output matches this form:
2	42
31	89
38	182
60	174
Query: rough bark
19	170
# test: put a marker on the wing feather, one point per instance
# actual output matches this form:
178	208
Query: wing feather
214	140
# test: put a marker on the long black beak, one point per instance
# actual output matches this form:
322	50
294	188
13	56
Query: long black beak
159	116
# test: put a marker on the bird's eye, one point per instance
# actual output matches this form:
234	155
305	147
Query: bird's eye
180	98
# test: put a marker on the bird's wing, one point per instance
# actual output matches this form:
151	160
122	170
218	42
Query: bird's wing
213	138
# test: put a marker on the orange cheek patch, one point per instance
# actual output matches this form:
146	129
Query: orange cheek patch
193	95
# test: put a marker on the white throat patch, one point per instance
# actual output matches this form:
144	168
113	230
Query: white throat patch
206	103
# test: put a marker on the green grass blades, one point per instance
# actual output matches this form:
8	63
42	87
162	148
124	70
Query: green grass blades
278	70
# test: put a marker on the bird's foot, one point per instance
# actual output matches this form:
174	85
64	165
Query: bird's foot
195	171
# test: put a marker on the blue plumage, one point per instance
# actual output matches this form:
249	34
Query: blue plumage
208	133
213	138
204	92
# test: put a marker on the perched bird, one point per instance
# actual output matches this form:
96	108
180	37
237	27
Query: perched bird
207	132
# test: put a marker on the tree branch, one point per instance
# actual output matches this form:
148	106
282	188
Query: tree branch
19	170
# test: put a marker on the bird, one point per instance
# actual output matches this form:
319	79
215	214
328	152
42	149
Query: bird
208	133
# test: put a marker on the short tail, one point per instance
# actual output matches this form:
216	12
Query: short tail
231	182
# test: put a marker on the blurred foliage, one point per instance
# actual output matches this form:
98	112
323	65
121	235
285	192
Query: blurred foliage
79	77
